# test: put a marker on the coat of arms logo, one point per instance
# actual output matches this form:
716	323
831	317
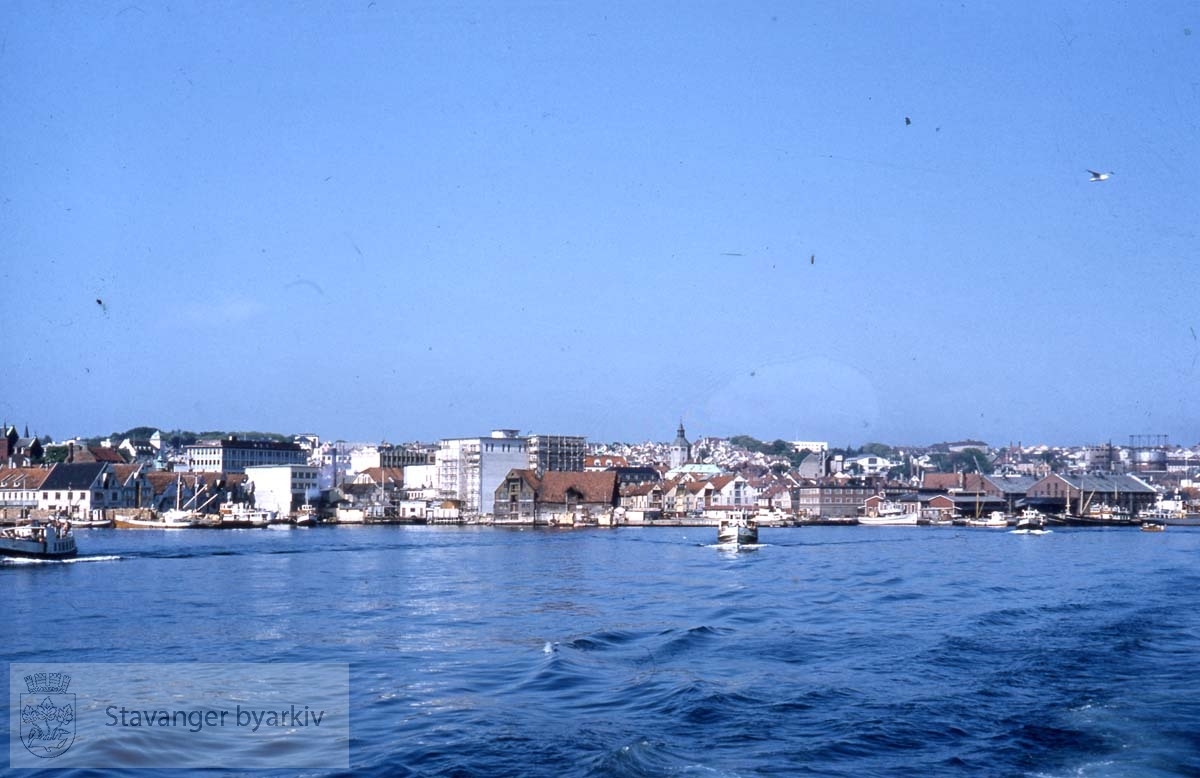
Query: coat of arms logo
47	715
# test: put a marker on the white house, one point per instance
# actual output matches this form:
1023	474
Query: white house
733	491
74	488
868	464
282	488
420	482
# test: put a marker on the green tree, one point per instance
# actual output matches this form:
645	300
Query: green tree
879	450
52	455
970	460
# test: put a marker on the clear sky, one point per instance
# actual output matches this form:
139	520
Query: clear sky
418	220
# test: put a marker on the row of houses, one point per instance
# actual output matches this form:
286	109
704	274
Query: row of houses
530	496
85	489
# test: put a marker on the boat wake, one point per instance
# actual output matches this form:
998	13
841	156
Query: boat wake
4	561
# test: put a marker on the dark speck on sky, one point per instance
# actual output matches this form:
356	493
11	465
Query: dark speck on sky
455	203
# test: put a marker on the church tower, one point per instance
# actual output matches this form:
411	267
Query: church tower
681	450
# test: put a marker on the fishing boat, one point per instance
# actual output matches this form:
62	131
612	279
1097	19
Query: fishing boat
994	520
52	540
91	523
240	515
1031	519
185	515
307	516
737	528
91	519
174	518
1104	515
1171	512
889	514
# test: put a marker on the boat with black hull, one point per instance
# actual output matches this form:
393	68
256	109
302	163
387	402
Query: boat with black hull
53	540
1172	513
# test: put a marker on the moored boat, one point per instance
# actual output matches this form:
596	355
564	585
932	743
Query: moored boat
995	520
307	516
91	523
239	515
39	541
737	528
1103	515
170	519
889	514
1170	513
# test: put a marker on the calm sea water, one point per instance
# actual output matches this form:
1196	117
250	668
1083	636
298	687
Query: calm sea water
839	651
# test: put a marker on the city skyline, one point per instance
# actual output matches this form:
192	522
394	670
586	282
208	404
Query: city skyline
853	224
1131	442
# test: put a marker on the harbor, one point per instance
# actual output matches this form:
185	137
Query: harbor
873	651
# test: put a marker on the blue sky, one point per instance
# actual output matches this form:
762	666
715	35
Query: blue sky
420	220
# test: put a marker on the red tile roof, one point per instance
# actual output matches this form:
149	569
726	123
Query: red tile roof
392	476
23	477
553	486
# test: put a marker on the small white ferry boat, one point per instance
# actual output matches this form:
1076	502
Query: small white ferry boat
738	528
38	541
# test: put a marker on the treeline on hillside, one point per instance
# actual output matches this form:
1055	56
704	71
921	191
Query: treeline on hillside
177	438
776	448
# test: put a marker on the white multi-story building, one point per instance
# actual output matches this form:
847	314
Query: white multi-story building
231	455
470	469
282	488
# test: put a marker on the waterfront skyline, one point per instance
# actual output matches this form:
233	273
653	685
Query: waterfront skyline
844	224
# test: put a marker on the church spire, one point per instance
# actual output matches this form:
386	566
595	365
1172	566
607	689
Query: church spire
681	450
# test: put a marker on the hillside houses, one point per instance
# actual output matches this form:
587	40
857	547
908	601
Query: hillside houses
509	476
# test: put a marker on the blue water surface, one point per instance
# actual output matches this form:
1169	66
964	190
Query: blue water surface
827	651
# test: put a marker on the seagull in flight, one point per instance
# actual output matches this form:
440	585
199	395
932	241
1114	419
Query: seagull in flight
1099	176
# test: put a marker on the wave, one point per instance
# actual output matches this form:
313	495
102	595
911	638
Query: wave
23	561
646	757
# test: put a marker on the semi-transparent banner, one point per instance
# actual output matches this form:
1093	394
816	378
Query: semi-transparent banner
196	715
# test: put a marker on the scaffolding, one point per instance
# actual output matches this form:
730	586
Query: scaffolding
1148	453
